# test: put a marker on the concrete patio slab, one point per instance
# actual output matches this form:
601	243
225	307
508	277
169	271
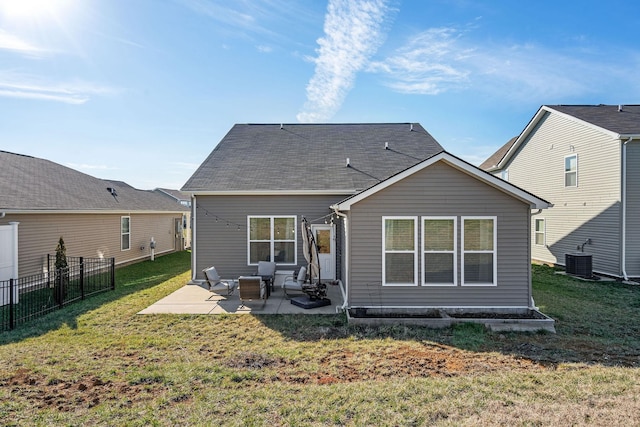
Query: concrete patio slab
197	299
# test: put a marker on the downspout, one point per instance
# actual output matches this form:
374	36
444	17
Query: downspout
532	302
194	222
624	208
345	302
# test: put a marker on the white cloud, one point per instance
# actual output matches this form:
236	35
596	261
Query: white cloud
353	32
445	59
222	13
12	42
27	87
430	63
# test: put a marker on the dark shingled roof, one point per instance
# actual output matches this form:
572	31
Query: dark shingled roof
625	122
311	157
498	155
30	183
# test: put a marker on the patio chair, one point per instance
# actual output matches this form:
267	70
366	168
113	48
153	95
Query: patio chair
267	271
252	288
214	280
292	284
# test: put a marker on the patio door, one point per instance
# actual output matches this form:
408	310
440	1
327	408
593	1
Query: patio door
325	235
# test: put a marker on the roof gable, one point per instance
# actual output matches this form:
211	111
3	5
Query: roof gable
298	158
616	121
534	201
32	184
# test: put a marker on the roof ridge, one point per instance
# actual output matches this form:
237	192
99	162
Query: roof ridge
17	154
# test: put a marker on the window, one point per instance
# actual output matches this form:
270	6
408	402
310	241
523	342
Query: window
125	233
272	238
479	251
540	232
399	243
571	171
505	174
439	243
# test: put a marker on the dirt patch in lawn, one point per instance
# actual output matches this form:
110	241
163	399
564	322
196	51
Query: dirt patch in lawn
397	362
65	396
338	366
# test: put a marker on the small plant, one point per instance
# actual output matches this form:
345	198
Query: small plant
62	273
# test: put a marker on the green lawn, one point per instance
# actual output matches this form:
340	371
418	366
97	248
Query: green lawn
99	363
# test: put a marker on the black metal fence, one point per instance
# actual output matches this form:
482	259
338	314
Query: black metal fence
30	297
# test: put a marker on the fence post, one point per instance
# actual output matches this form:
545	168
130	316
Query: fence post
12	319
49	270
113	274
60	288
81	278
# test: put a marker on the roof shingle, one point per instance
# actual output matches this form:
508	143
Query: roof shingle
30	183
624	122
311	157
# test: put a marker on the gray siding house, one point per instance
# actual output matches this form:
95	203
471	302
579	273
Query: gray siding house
583	159
409	225
43	201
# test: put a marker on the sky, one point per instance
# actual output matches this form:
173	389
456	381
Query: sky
141	91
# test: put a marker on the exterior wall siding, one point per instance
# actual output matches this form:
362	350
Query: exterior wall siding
225	246
440	190
633	209
88	235
589	211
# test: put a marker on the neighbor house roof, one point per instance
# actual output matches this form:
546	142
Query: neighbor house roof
176	195
297	158
498	155
619	121
31	184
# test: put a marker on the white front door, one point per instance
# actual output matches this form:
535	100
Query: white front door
9	251
325	236
8	261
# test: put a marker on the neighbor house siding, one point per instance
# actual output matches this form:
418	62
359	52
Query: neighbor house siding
88	235
440	190
589	211
633	208
221	228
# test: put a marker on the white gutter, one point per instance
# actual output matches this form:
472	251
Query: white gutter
624	207
344	288
89	211
331	192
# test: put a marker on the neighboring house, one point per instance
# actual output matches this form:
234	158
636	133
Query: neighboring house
401	222
185	200
584	160
95	217
179	196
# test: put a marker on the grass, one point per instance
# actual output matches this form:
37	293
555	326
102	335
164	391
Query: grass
99	363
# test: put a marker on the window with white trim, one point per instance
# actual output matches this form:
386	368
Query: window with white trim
479	257
399	249
439	244
571	171
540	232
125	233
272	238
